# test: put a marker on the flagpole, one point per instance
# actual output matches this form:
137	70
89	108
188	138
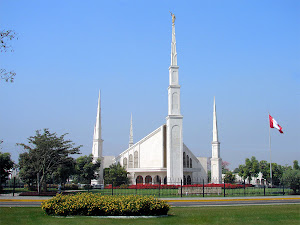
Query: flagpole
270	155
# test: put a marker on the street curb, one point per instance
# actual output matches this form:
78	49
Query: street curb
231	200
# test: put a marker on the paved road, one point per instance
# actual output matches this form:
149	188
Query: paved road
6	201
232	202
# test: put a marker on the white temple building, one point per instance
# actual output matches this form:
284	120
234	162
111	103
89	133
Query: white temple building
161	156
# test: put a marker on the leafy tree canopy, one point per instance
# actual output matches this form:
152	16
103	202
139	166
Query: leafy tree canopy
45	153
86	169
116	175
291	178
6	164
5	37
249	169
225	165
229	177
296	165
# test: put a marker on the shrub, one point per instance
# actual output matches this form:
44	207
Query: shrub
88	204
70	187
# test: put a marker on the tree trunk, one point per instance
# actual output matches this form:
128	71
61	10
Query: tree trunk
44	186
38	182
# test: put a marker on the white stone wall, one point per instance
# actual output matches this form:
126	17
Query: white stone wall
150	156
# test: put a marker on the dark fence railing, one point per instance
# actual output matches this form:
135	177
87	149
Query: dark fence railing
179	188
194	189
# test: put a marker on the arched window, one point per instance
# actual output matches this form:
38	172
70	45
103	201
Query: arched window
136	159
191	165
165	180
184	162
125	163
184	180
139	179
130	163
187	161
189	180
157	180
148	179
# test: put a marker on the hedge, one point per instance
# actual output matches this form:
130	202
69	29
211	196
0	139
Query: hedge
89	204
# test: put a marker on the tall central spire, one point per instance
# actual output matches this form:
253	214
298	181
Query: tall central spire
174	135
173	44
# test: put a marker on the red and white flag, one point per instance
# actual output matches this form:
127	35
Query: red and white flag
274	124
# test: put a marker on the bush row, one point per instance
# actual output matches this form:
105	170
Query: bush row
89	204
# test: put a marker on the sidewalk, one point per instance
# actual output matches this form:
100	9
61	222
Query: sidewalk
42	198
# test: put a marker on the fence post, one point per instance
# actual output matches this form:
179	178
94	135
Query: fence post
181	189
224	188
159	189
14	186
203	188
244	187
112	188
264	190
136	187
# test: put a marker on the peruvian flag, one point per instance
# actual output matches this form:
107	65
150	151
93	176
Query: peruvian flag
274	124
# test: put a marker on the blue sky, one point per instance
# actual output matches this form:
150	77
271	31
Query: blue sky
246	53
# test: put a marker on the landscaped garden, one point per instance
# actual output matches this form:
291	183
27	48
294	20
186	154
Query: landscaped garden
89	204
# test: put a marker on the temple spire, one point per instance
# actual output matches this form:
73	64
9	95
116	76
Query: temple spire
97	131
215	127
98	145
131	133
173	44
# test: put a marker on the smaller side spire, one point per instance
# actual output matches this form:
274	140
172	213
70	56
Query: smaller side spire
215	126
131	133
97	131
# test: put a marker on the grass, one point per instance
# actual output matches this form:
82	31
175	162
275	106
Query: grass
277	214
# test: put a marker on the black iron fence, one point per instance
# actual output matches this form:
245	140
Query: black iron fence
158	189
194	189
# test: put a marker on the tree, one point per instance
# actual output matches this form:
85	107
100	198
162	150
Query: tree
225	165
250	169
236	170
264	168
27	172
64	171
5	37
291	178
116	175
277	171
86	169
229	177
46	152
296	165
208	176
6	164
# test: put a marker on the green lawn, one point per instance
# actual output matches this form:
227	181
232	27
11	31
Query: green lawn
277	214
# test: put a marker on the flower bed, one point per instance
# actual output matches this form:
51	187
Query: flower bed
88	204
165	186
144	186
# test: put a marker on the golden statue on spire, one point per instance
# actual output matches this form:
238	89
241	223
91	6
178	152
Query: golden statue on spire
173	18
